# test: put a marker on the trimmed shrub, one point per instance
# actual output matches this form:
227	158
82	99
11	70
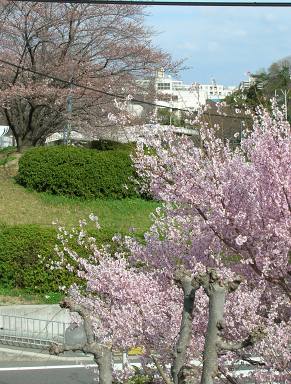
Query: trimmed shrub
78	172
20	264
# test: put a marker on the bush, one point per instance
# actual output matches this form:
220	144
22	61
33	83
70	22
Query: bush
78	172
110	145
20	264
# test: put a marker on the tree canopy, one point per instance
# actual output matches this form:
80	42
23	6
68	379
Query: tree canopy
104	47
265	85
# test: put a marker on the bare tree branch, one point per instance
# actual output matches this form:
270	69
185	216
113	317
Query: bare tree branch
161	371
257	335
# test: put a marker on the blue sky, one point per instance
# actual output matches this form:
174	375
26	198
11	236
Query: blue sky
222	43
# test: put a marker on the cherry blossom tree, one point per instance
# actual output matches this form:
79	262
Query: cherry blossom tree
209	285
235	205
103	47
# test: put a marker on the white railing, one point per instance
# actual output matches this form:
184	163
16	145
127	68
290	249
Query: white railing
25	331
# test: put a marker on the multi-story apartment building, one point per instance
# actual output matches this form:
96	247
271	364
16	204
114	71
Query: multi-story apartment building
177	95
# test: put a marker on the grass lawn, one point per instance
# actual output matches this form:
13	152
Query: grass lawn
21	296
20	206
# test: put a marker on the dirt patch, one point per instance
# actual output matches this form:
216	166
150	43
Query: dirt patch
9	300
10	168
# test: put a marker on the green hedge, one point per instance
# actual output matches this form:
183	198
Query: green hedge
20	265
79	172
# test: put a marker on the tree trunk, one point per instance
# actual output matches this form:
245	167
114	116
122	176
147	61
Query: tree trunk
184	338
102	357
88	344
103	360
23	144
216	294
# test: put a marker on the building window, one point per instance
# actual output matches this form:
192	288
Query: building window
163	86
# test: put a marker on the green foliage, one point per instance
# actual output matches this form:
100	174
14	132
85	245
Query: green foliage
78	172
26	296
139	377
20	265
265	85
110	145
6	155
167	117
25	252
250	97
7	150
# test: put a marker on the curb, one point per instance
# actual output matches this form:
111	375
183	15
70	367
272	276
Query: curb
8	354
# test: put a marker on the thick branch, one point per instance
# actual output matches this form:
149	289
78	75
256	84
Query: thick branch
85	315
253	338
101	353
216	289
57	349
229	378
252	361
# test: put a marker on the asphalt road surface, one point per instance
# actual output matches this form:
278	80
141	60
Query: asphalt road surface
49	372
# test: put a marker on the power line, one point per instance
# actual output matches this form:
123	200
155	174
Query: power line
73	83
138	101
173	3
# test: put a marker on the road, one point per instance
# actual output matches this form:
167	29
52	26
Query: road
47	372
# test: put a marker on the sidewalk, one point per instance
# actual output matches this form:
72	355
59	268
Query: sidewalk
26	331
49	312
47	316
44	313
13	354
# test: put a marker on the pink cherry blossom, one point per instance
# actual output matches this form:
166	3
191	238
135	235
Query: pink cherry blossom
223	229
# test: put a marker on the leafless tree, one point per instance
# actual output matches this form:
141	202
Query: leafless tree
103	47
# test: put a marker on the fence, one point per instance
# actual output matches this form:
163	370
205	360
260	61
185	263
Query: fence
37	333
24	331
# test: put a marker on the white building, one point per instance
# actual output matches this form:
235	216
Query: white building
6	139
183	96
246	84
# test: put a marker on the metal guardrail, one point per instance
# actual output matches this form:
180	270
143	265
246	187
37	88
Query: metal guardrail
29	332
38	333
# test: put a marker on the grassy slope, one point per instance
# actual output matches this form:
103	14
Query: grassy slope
19	206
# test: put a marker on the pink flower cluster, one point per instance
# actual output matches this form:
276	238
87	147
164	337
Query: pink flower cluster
224	209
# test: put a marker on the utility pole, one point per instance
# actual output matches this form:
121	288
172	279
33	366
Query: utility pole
285	93
68	125
171	110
